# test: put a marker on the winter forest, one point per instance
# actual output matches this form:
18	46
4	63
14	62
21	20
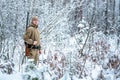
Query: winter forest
80	39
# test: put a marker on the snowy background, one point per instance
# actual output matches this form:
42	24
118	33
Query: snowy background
80	39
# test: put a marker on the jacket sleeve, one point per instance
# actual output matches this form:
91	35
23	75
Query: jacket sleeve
27	36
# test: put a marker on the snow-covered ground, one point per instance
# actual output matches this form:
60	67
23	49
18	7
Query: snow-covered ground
100	62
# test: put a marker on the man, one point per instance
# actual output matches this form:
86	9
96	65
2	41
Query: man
32	40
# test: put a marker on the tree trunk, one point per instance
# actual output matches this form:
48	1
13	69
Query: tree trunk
106	17
113	18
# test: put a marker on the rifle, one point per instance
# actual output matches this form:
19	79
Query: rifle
26	46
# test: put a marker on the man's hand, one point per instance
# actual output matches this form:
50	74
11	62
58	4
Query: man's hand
35	43
40	51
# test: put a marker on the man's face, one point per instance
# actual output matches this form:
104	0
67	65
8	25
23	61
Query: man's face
35	22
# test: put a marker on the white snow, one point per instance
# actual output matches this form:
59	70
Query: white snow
15	76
